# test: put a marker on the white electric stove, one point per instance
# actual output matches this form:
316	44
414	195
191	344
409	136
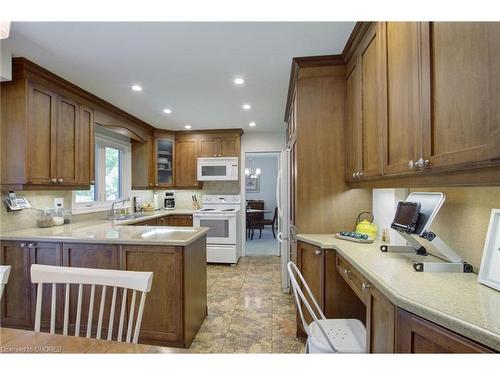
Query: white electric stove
221	213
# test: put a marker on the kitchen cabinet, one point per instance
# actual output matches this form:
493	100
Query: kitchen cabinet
47	137
380	321
150	222
460	61
186	163
363	123
400	93
142	164
19	297
225	145
179	220
164	162
418	335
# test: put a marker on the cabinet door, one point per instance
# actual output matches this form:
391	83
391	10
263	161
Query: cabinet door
310	261
400	93
85	147
180	220
186	160
417	335
66	157
460	69
230	147
90	256
353	104
162	319
380	318
163	159
370	134
210	147
42	132
142	161
19	296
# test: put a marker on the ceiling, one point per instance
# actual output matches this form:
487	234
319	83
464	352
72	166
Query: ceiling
188	67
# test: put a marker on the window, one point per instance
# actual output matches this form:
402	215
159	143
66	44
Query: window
112	176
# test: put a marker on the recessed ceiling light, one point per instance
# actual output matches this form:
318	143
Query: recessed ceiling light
167	111
239	81
187	126
252	124
246	107
136	88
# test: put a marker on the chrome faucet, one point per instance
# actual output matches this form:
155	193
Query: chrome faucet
116	202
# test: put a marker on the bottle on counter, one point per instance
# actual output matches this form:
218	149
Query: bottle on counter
45	218
58	215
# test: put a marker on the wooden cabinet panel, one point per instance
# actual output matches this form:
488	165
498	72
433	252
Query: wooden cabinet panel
401	96
352	277
186	161
352	124
152	222
210	147
162	319
458	67
380	321
163	160
66	144
142	164
19	298
41	135
417	335
230	147
85	152
179	220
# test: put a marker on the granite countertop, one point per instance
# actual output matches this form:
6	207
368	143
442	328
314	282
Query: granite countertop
109	231
453	300
156	214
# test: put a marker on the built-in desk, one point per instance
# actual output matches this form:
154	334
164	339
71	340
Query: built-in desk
404	311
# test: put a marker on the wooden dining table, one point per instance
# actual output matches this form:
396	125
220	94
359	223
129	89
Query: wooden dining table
14	341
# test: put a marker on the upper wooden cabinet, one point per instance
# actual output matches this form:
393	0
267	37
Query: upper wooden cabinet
47	139
364	131
422	103
142	164
186	162
213	145
460	60
163	161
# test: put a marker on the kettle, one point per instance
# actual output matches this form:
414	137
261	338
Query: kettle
366	226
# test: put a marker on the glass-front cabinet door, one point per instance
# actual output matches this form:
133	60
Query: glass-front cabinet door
164	162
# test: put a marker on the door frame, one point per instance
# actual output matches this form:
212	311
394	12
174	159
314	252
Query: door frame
243	193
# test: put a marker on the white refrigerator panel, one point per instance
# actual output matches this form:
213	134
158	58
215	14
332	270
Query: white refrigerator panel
282	197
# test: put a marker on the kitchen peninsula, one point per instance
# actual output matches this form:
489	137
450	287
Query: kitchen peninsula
177	304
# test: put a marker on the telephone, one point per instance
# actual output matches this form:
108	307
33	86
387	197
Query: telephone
16	204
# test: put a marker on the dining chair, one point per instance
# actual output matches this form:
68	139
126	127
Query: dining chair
126	280
325	335
4	278
272	222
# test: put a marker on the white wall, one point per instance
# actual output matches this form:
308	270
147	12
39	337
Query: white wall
385	202
268	164
5	64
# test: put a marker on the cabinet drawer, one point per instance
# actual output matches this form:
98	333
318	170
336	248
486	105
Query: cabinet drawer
355	280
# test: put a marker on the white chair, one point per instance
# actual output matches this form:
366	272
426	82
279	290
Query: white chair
326	335
135	281
4	277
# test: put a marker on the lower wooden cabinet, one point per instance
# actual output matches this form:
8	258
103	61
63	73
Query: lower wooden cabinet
380	321
418	335
175	220
175	307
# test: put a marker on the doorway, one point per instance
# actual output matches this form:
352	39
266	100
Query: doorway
261	174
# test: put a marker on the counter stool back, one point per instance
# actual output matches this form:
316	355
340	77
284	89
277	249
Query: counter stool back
325	335
126	280
4	278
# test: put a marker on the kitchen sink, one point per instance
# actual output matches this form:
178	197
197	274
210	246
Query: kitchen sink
133	216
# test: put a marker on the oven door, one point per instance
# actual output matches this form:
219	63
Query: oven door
222	228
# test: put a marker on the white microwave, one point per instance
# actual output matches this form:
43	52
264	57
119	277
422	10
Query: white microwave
218	169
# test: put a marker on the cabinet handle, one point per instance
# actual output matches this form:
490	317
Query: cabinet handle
317	252
92	182
23	244
53	180
425	163
31	244
353	174
360	174
347	272
366	286
60	180
411	164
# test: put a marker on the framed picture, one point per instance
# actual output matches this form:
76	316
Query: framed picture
252	185
489	273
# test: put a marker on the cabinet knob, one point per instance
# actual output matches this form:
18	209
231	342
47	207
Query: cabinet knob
60	180
22	244
92	182
353	174
31	244
317	252
411	164
366	286
360	174
425	163
347	272
53	180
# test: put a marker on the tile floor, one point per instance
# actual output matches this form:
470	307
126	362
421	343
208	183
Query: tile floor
247	311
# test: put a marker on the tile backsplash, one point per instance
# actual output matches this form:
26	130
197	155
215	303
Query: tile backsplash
45	199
